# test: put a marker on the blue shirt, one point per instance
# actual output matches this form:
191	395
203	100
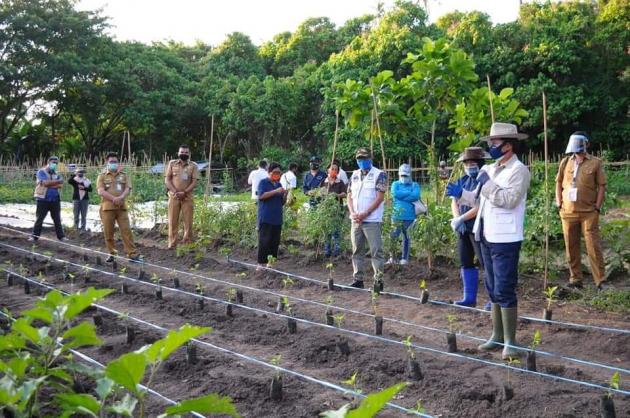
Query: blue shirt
52	194
269	210
313	182
470	184
404	195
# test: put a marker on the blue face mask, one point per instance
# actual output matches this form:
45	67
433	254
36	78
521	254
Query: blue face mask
112	166
52	166
405	179
364	164
472	171
495	151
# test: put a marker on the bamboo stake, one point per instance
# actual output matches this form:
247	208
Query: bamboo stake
209	167
546	271
372	132
335	137
378	128
490	97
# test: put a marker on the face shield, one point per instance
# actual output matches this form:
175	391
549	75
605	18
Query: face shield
577	143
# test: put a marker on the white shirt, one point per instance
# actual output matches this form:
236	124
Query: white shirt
288	180
343	176
254	179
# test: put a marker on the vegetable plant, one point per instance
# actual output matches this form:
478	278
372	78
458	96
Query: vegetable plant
451	319
536	340
353	382
613	384
276	360
287	282
339	318
550	293
409	346
271	260
231	294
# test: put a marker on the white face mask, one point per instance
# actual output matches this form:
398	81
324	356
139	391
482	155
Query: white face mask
405	179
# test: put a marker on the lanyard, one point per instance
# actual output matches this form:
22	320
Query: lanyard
576	167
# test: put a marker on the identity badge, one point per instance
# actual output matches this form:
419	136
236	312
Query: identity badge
573	194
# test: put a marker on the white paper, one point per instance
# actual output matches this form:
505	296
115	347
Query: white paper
572	194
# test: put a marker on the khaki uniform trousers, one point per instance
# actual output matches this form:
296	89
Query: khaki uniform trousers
186	207
573	226
119	216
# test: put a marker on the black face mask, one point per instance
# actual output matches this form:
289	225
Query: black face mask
80	174
314	166
183	157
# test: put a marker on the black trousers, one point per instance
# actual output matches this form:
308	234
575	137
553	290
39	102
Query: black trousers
268	241
43	207
467	248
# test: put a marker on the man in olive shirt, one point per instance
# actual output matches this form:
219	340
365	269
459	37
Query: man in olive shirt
181	178
113	185
580	188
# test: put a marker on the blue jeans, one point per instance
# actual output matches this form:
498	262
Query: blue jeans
334	250
500	261
402	227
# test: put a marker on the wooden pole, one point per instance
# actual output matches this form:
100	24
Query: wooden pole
490	97
546	271
378	129
209	167
128	146
335	137
372	132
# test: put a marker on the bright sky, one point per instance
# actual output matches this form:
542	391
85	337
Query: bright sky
211	20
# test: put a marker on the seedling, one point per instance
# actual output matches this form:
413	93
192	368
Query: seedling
230	294
199	255
418	409
123	270
180	251
331	281
199	289
85	271
424	293
339	318
155	279
287	282
330	320
226	251
287	305
530	361
607	404
275	390
374	300
511	362
550	295
353	381
271	260
451	338
242	275
129	334
194	267
408	345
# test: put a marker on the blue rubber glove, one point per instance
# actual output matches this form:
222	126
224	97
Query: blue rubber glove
483	177
458	225
454	190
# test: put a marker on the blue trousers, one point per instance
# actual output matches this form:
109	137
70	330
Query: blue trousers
500	261
402	227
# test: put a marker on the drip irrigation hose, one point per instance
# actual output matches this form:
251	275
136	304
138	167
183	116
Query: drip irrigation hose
96	363
227	350
435	302
338	308
365	335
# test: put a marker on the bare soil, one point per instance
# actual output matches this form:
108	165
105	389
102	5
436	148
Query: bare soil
451	387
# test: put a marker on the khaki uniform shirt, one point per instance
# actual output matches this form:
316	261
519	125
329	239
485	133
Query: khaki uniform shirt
590	177
115	184
181	174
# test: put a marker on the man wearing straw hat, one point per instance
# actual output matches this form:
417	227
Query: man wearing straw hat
499	225
580	189
366	194
181	178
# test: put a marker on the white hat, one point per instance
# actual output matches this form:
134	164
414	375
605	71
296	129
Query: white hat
504	131
404	170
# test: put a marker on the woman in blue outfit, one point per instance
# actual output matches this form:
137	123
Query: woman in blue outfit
462	223
405	191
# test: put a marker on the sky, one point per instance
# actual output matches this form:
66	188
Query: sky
210	21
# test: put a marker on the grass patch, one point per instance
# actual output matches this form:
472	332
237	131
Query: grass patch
609	300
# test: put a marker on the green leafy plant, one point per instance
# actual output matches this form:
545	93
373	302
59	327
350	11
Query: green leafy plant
276	360
369	406
339	318
408	345
287	282
550	293
123	270
271	260
613	384
331	269
451	319
34	357
511	361
155	279
194	267
422	284
287	305
353	382
374	296
199	289
536	340
418	409
226	251
231	294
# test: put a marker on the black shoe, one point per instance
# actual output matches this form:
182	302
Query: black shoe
357	284
110	259
604	286
575	285
136	259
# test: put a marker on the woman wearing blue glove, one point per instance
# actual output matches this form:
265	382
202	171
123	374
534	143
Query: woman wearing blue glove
463	221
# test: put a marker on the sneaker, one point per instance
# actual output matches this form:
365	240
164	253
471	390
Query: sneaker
136	259
403	262
110	259
32	238
357	284
63	239
487	306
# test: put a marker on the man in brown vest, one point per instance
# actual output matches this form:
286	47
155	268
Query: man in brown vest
181	178
114	185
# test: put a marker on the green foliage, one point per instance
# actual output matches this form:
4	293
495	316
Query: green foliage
550	294
226	224
369	406
433	233
318	224
36	353
536	339
616	237
614	383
